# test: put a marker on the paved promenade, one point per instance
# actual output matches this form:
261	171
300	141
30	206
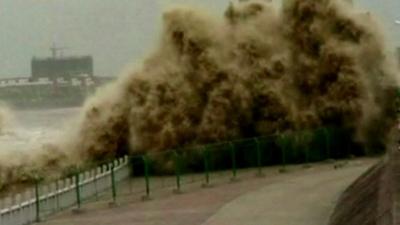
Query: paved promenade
302	200
299	197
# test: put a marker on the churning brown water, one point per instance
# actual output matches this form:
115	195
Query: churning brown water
258	71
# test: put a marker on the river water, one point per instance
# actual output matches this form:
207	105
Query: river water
30	128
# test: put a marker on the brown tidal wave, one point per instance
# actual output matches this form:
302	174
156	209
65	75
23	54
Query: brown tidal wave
258	71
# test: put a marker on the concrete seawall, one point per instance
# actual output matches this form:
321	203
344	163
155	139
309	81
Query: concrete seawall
370	200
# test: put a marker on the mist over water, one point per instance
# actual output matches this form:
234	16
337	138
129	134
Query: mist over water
257	71
28	130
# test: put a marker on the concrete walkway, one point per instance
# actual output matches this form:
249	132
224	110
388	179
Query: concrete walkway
304	200
300	197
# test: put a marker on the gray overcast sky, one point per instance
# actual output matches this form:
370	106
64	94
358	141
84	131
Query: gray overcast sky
116	33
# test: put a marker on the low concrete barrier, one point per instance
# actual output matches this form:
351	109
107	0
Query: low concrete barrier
370	199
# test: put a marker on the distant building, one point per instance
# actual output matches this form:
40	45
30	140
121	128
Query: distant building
61	67
55	82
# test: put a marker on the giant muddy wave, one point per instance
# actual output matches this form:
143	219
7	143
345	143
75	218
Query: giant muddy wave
256	71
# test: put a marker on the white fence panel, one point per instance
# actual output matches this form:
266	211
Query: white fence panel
21	209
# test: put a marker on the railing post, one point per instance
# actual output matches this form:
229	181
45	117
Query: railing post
233	158
58	194
259	162
307	151
284	145
37	196
113	186
95	183
206	167
78	190
306	145
131	165
146	177
327	135
177	172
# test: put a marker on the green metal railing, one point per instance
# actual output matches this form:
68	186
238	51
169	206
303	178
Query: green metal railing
177	167
302	147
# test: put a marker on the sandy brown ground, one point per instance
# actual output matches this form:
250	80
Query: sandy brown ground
299	197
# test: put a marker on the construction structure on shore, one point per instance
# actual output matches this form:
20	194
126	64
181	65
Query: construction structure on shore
55	82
